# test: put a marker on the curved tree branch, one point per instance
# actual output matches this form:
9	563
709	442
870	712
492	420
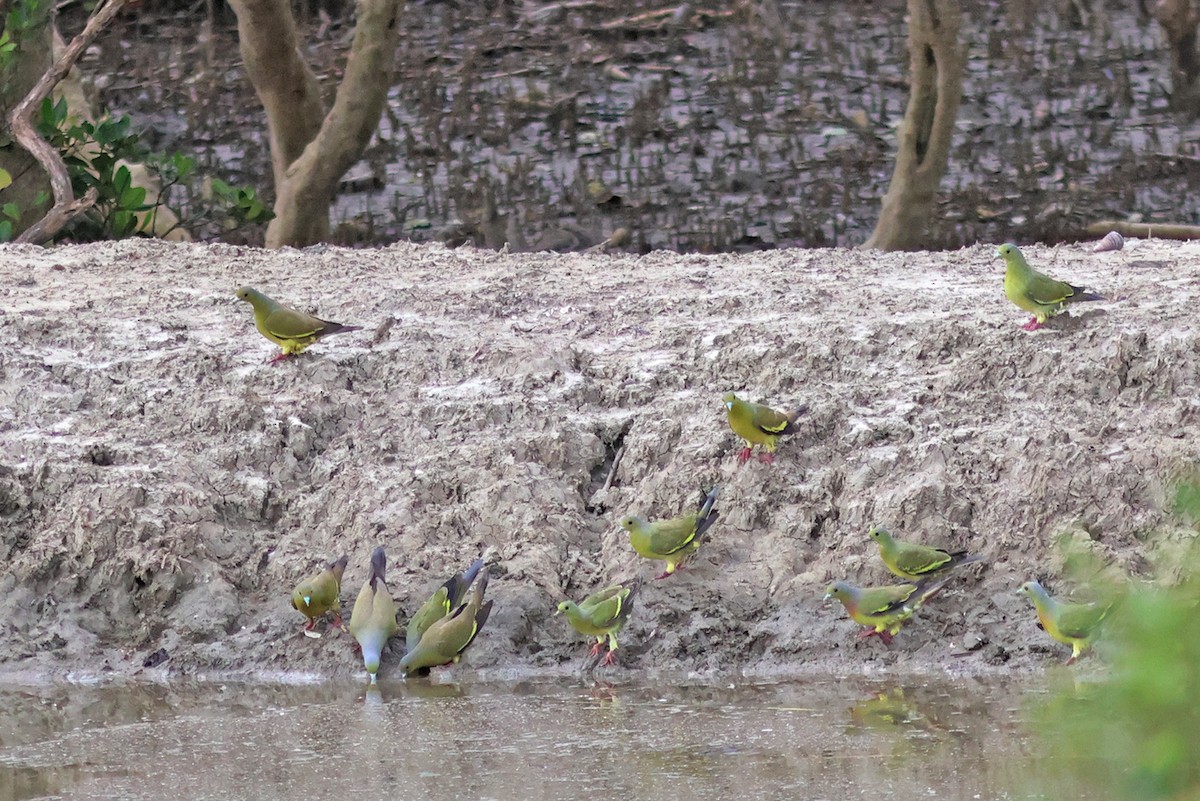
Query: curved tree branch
66	206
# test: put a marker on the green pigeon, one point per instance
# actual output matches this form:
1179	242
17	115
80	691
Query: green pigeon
288	328
671	540
445	640
602	615
1036	293
915	562
319	594
759	425
883	610
373	620
444	600
1075	625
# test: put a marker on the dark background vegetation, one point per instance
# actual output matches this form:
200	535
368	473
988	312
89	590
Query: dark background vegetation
708	127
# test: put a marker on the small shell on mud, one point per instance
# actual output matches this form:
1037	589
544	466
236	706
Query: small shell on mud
1111	241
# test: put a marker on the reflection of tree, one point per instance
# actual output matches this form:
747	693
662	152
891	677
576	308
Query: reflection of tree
936	62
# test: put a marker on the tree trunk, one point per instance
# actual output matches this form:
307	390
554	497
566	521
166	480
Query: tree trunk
1179	21
936	64
310	151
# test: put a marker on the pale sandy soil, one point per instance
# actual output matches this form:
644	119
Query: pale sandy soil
163	488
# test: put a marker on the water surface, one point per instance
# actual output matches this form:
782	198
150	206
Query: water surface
537	740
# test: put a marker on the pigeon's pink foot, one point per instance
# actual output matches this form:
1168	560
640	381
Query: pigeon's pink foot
662	575
1072	660
278	357
886	637
1032	325
865	633
595	650
610	658
744	455
767	457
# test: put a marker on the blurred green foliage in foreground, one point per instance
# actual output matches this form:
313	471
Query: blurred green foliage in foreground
1135	734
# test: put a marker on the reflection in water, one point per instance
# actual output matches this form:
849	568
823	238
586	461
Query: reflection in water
525	741
888	710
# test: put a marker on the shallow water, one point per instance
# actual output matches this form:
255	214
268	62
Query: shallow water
536	740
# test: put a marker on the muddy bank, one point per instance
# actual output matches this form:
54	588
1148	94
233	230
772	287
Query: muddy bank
162	489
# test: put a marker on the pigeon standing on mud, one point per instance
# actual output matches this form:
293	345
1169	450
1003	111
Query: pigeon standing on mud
445	599
602	615
288	328
319	594
758	425
915	562
671	540
1075	625
1036	293
373	620
445	640
883	610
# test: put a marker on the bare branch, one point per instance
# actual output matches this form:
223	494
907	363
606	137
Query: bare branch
1145	230
66	207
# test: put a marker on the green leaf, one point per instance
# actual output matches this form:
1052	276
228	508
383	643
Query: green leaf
133	198
11	210
121	180
6	231
123	223
5	179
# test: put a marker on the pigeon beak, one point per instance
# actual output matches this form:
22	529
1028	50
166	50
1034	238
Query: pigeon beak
729	405
308	600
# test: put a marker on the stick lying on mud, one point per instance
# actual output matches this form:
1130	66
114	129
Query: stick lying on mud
1145	230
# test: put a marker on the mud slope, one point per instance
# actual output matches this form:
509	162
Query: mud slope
162	489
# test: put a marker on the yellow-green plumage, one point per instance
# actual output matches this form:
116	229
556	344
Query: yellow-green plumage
913	561
444	600
288	328
758	425
373	620
672	540
319	594
1035	292
445	640
1075	625
883	610
602	615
